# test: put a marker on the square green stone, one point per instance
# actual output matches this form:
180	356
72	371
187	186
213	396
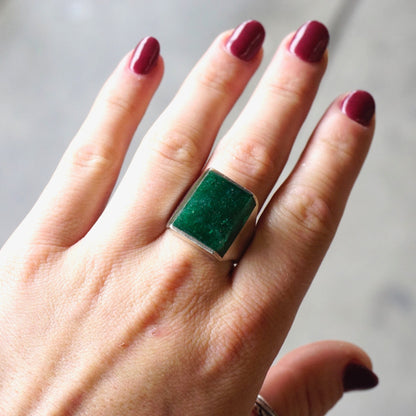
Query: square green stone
214	212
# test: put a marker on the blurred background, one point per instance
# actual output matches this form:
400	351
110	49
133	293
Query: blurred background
55	55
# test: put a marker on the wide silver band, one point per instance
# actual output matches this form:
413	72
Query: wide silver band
262	408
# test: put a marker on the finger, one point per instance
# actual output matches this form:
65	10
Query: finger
313	378
298	225
175	149
256	148
84	179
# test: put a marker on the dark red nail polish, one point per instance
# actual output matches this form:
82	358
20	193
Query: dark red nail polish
359	106
358	377
246	40
145	56
310	41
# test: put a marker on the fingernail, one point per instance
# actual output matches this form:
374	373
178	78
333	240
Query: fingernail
358	377
310	41
145	56
246	40
359	106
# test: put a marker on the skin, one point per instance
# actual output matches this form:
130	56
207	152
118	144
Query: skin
105	312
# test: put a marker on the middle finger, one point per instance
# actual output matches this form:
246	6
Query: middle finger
255	150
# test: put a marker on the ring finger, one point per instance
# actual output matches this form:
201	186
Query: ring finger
255	150
174	150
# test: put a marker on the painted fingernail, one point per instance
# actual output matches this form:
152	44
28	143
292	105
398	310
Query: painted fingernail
359	106
310	41
358	377
246	40
145	56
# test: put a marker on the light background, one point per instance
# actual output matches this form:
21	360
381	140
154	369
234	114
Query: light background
55	54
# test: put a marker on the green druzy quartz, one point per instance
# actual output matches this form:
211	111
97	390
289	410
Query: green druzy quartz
214	212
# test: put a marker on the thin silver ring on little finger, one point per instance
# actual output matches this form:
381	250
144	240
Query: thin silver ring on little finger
262	408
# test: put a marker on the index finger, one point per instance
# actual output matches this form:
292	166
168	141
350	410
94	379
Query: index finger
297	227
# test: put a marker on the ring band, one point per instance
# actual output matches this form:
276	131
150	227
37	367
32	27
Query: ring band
262	408
217	214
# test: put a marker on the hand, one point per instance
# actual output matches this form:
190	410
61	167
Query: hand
105	312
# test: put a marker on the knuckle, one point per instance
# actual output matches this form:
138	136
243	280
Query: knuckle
340	147
309	215
289	88
178	269
93	158
118	104
178	148
220	80
253	161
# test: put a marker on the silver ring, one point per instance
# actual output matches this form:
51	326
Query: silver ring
262	408
217	215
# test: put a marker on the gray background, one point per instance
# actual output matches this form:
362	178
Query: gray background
55	54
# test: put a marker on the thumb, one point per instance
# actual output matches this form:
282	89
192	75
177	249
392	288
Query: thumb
310	380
